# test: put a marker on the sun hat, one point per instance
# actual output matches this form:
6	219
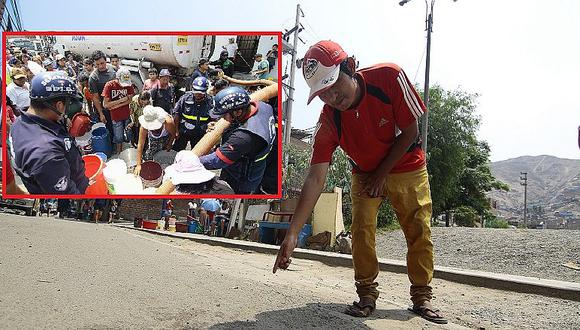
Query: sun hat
187	169
321	66
152	117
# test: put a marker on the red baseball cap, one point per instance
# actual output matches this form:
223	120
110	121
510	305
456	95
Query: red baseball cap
321	66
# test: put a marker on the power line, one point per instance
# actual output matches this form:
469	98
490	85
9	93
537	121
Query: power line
419	66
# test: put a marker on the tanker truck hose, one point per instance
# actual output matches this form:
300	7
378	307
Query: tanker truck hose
258	82
210	139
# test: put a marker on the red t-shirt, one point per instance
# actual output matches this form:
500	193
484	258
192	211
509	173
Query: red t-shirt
114	91
369	130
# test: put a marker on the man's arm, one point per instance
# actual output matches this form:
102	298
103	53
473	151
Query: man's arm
311	190
375	182
54	177
111	105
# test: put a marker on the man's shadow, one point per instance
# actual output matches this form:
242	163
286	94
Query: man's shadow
315	315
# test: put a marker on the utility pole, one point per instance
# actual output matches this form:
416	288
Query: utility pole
524	179
296	29
429	28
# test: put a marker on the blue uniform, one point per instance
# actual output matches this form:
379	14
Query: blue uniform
193	119
46	157
242	157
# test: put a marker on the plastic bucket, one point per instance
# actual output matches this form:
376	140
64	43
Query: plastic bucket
129	184
94	171
149	224
181	227
151	174
101	140
115	170
102	155
84	143
192	227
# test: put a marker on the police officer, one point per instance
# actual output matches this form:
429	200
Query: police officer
191	113
45	155
242	157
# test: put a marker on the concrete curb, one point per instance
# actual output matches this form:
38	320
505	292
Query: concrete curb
550	288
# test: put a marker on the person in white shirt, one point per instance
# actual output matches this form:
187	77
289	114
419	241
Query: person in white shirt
232	48
19	90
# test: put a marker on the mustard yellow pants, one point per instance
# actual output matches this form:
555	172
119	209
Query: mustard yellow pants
410	196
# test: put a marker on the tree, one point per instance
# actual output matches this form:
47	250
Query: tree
339	175
458	163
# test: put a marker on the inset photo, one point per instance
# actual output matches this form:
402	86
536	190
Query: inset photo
147	114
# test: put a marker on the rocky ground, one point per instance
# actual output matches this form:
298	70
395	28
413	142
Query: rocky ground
533	253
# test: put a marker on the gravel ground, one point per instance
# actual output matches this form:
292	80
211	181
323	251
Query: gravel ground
533	253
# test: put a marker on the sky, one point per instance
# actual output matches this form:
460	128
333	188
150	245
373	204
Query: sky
521	57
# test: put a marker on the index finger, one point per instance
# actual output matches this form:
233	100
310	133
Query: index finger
277	262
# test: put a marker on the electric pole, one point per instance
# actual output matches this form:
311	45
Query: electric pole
295	30
429	28
524	182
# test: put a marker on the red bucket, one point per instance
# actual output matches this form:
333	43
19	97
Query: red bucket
151	174
94	171
148	224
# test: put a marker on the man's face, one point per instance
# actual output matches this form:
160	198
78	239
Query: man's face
198	96
101	64
164	81
61	62
115	62
88	67
20	81
152	75
204	66
235	116
341	95
258	59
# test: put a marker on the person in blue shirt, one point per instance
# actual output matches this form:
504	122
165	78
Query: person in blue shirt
247	143
202	70
45	155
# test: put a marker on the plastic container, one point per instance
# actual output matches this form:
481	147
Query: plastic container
102	155
149	224
129	184
192	227
84	143
101	140
115	170
304	234
94	171
181	227
151	174
161	224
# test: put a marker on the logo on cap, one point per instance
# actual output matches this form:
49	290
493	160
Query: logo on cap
310	68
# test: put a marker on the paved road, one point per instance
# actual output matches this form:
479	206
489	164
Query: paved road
67	274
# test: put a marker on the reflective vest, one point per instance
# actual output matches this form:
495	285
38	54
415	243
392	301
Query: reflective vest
194	116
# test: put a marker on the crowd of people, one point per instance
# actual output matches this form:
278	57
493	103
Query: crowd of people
151	118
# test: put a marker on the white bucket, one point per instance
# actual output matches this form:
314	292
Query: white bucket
115	169
128	184
84	143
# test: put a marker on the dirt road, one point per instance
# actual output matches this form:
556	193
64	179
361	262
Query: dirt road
66	274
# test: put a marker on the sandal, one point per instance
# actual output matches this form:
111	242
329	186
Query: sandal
423	310
361	309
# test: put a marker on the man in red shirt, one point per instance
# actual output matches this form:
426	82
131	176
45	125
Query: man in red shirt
117	95
372	115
